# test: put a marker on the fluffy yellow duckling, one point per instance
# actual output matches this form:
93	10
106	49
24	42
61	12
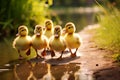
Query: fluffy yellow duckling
39	41
22	42
48	28
56	42
72	39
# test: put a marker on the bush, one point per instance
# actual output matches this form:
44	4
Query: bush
18	12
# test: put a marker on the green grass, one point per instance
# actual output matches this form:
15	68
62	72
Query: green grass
108	34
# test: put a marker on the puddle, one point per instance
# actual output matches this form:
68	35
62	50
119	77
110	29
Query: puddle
44	71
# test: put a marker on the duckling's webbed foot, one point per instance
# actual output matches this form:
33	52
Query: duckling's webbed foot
43	53
52	53
73	55
60	58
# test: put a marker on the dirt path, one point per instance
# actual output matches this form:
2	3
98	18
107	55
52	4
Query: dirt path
93	59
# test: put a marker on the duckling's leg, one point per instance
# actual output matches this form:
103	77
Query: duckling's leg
20	57
60	58
28	52
43	53
37	54
70	51
52	53
75	51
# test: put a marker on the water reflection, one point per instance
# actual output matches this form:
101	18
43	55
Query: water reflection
48	76
40	71
65	76
31	76
83	74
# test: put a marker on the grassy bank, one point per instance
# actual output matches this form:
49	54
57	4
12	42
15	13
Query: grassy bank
107	35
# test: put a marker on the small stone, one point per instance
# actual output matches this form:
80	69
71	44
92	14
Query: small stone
96	64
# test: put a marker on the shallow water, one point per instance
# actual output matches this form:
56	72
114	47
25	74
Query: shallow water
31	70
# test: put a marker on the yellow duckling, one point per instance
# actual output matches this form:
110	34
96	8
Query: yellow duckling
48	28
39	41
72	39
22	42
56	42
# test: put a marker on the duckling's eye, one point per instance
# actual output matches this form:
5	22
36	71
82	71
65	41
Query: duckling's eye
48	23
69	27
23	30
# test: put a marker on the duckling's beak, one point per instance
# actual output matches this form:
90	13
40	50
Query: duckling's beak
38	34
56	35
17	34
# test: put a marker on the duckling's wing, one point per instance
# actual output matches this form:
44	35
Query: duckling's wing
77	39
14	43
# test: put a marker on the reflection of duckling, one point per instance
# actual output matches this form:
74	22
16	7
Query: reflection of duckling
39	41
48	76
72	39
65	76
15	73
31	76
22	42
56	42
48	28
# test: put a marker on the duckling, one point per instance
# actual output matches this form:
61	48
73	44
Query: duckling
48	28
39	41
72	39
22	42
56	42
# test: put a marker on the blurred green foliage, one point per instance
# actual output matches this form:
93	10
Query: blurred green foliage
14	13
73	3
115	3
116	57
